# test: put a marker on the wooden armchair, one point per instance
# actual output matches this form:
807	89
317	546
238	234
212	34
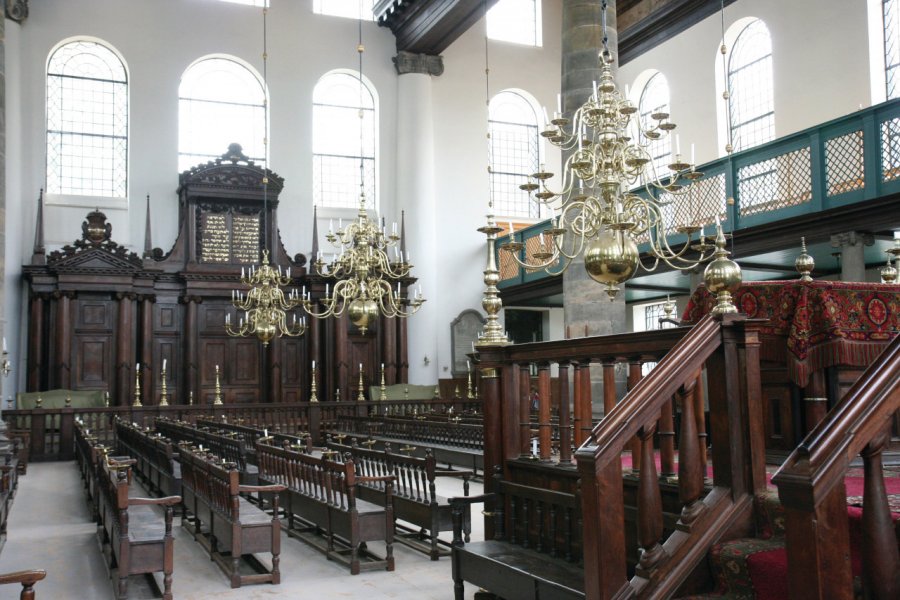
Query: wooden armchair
27	579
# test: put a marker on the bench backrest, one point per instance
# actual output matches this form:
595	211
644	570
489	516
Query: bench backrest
414	476
448	433
209	478
544	520
229	448
328	481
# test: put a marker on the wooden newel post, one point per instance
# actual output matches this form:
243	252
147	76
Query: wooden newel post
524	394
544	433
565	424
880	558
315	423
493	423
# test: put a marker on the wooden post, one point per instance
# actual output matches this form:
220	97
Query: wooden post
146	350
634	377
649	514
493	430
587	409
523	392
36	366
690	471
609	386
815	400
576	395
880	559
125	358
565	431
63	339
544	433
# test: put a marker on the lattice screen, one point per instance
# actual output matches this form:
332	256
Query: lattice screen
776	183
844	163
890	150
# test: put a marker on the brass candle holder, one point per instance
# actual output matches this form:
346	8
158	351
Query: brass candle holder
137	386
106	398
164	398
312	384
360	397
191	398
217	398
383	395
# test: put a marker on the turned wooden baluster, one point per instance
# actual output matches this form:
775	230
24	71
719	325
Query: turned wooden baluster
525	409
609	386
587	410
667	440
634	376
544	433
649	517
690	471
576	404
565	431
700	414
880	558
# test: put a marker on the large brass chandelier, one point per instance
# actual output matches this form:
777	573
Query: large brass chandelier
612	198
265	305
368	280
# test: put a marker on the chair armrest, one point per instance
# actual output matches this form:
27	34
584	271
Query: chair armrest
275	487
23	577
167	501
458	507
455	472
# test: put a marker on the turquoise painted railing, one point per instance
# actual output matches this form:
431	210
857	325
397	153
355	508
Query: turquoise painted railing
850	159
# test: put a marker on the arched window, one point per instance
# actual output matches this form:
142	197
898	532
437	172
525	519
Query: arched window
343	139
655	100
87	121
751	101
220	101
514	153
891	12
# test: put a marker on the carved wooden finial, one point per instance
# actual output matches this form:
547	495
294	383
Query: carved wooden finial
148	238
38	254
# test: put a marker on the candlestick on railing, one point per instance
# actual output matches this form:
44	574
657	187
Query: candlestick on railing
360	396
217	398
164	395
191	398
106	398
383	389
312	384
137	386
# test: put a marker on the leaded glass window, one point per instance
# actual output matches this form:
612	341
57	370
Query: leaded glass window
87	121
514	154
343	140
220	102
352	9
655	99
891	12
517	21
751	102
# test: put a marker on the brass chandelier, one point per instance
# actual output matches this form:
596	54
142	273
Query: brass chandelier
368	280
265	305
612	198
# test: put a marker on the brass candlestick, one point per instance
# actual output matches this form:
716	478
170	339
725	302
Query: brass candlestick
217	399
470	393
191	398
337	395
493	334
106	398
137	387
312	385
383	389
360	396
163	401
68	401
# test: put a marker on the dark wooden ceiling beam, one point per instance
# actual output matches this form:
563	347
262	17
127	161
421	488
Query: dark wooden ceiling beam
428	26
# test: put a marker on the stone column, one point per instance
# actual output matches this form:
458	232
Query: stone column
587	309
415	191
853	260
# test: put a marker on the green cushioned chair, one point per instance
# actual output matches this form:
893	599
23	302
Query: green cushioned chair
403	391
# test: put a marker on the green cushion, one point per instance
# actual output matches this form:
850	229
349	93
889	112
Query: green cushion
403	391
57	399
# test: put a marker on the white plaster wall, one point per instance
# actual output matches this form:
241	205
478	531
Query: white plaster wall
461	154
820	61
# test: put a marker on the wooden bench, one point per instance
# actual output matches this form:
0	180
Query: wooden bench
228	448
225	522
536	550
26	578
415	499
450	443
156	458
131	534
322	498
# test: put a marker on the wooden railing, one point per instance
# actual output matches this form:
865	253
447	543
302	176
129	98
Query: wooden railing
668	547
810	486
52	430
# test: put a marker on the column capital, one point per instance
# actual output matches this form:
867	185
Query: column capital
17	10
852	238
426	64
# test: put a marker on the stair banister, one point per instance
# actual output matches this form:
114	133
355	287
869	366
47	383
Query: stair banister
810	486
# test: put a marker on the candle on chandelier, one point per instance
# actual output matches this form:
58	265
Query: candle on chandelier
4	344
360	367
510	229
138	367
228	318
693	161
314	365
164	364
559	103
546	118
677	144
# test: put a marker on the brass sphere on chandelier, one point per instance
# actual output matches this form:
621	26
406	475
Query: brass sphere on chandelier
612	258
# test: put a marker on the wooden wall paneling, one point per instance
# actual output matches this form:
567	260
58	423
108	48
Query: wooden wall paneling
191	367
294	371
125	342
93	357
145	356
363	351
37	348
402	351
63	347
273	369
215	353
388	350
344	375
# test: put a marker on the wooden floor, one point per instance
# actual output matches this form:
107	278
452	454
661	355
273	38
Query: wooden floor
50	528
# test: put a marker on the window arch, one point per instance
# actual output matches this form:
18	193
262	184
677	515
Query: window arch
751	100
87	120
220	101
515	153
655	99
344	128
516	21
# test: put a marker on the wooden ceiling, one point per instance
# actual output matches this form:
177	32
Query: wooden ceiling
430	26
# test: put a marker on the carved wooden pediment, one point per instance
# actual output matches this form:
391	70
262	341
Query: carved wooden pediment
95	251
233	172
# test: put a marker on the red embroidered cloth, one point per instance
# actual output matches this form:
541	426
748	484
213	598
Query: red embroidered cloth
826	323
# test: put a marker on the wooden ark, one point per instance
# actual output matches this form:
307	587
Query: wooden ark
97	309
